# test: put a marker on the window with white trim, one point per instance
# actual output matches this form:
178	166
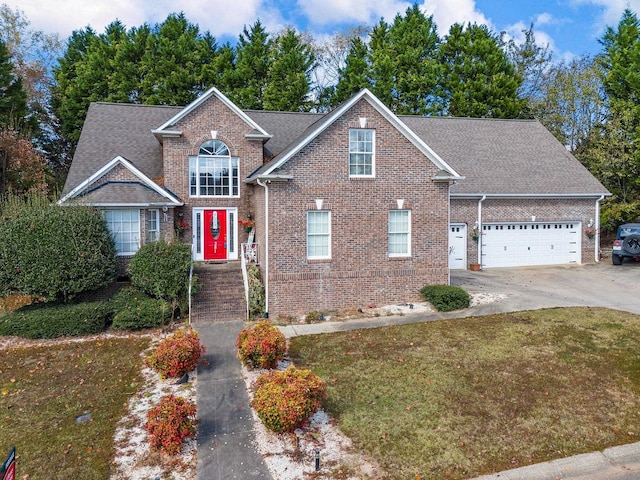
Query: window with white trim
361	152
399	233
318	234
124	226
214	172
153	225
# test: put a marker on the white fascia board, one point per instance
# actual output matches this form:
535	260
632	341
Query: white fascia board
467	196
213	91
129	166
131	205
167	133
385	112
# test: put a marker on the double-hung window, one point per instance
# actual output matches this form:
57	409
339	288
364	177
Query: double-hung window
124	226
214	172
361	153
399	233
153	225
318	234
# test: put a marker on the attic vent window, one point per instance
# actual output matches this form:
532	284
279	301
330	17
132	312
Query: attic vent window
215	148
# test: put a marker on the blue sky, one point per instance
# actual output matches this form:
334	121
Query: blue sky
570	27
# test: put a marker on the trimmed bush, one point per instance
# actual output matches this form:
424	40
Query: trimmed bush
285	400
169	423
135	310
161	269
261	346
446	298
46	320
54	252
176	355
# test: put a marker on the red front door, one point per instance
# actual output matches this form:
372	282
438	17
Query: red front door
215	234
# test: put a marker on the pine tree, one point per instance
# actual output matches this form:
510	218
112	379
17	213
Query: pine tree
288	80
478	79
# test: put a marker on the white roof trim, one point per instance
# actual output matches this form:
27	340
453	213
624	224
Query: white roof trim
213	91
129	166
527	195
386	113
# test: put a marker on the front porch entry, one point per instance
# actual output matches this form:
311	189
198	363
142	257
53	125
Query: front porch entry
215	234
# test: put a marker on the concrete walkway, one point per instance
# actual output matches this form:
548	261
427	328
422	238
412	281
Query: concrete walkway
226	448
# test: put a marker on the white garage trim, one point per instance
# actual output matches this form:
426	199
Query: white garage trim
458	246
530	243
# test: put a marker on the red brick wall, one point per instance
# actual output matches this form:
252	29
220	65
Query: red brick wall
359	272
196	129
521	210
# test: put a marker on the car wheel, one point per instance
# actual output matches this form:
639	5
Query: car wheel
632	244
616	259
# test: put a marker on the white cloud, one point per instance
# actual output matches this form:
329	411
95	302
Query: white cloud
611	11
544	19
220	17
447	12
324	12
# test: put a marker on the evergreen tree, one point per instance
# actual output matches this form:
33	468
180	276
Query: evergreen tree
413	48
71	93
13	98
478	79
252	67
172	66
621	60
355	75
288	79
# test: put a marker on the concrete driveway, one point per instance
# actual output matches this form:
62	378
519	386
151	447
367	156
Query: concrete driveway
597	285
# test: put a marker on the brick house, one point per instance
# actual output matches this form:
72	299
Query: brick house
354	207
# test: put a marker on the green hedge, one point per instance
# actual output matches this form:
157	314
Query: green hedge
446	298
53	252
161	270
47	320
134	310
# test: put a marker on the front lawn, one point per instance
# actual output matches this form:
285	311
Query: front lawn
460	398
46	388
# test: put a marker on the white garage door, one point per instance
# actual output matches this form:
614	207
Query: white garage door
457	246
522	244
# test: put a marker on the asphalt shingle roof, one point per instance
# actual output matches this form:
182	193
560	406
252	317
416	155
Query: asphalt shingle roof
124	192
512	157
113	129
515	157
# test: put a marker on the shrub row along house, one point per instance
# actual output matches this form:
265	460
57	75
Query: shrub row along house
353	207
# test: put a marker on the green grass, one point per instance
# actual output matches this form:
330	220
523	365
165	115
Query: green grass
461	398
43	389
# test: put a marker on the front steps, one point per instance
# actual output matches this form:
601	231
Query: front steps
220	294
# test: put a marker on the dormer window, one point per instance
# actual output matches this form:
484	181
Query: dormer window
214	172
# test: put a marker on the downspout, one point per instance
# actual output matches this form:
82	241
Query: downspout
449	228
597	220
266	247
484	197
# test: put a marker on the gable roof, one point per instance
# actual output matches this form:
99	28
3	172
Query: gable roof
142	191
505	157
324	122
115	129
165	129
487	156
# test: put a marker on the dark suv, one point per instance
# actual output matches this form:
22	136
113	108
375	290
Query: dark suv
627	243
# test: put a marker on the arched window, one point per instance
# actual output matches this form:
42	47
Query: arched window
214	172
